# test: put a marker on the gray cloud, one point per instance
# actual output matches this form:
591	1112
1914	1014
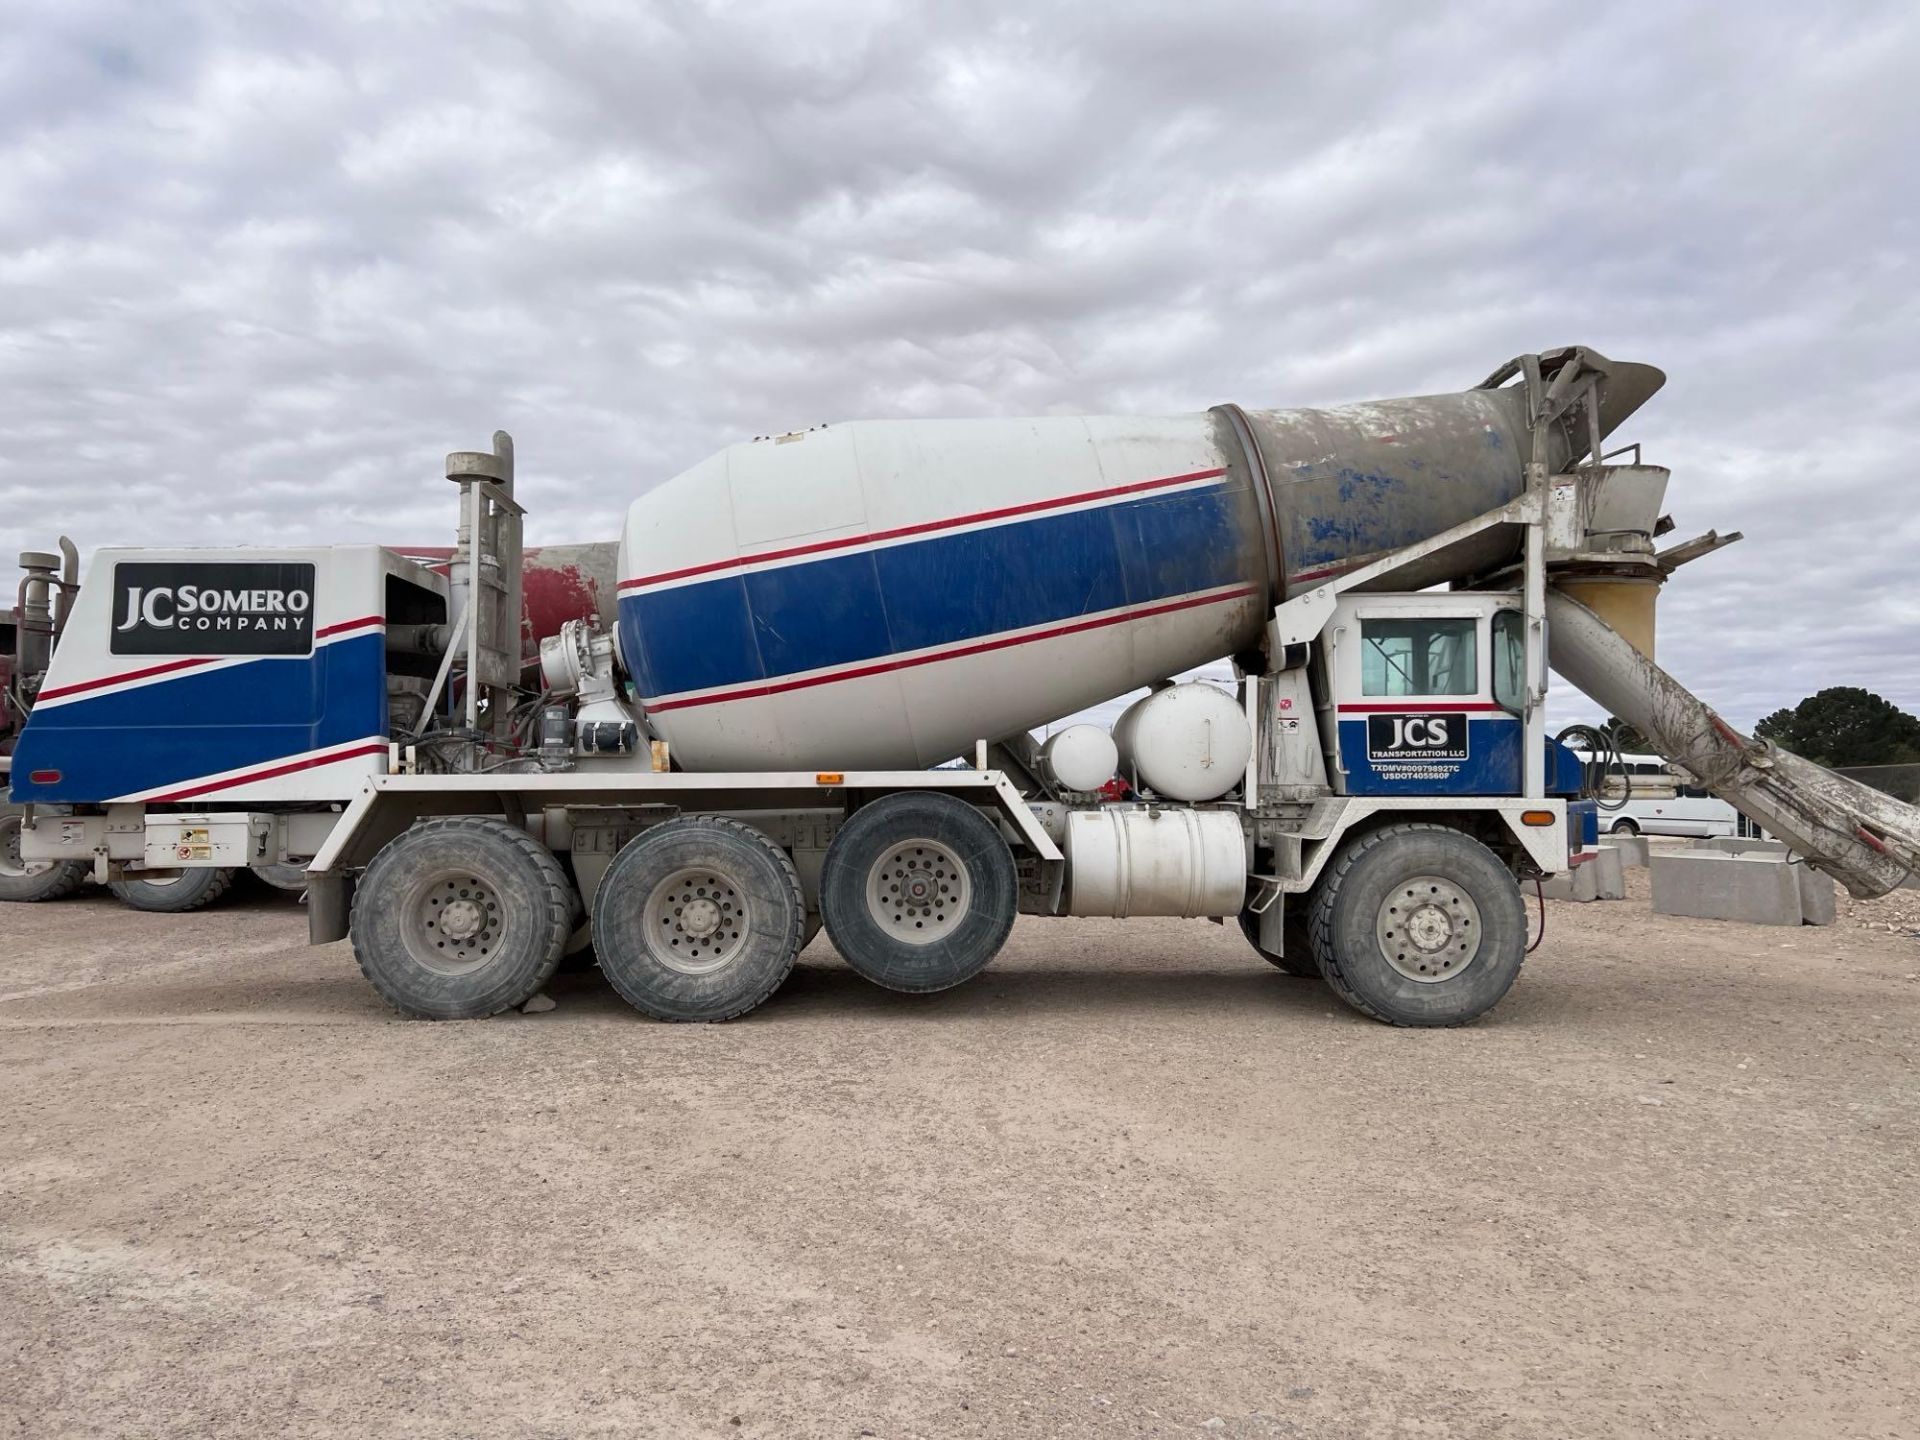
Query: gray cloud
259	270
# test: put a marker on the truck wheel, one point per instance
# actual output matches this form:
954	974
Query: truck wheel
918	892
1625	827
1419	924
698	919
460	918
1299	957
174	892
291	878
31	880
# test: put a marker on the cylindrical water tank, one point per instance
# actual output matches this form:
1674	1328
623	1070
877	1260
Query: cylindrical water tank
1184	742
1080	757
886	593
1130	860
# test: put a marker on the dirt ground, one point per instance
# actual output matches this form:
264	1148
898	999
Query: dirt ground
1130	1181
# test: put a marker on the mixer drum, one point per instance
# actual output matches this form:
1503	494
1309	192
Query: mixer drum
882	594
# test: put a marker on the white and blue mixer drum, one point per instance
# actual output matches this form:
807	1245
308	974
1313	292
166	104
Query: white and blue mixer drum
884	593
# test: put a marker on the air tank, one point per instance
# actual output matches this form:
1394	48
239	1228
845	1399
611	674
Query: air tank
883	593
1184	742
1080	757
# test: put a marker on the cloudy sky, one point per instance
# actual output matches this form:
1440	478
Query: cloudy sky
261	266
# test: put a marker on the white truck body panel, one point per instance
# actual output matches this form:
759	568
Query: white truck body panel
161	695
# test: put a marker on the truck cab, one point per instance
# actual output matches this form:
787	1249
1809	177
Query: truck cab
1427	696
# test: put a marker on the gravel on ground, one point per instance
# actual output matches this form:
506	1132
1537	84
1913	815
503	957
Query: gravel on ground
1132	1180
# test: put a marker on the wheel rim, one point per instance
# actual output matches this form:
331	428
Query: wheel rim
288	876
12	863
455	925
918	892
697	921
1428	929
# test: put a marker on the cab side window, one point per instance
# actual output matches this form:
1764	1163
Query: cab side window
1510	660
1432	656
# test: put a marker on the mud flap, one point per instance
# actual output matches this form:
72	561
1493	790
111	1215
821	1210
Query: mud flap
329	905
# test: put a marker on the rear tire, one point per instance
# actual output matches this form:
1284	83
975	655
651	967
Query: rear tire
175	893
1419	924
1625	827
918	892
1298	959
698	919
460	918
28	882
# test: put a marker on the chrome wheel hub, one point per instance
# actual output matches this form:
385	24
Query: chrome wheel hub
696	921
919	892
701	918
462	920
1428	929
456	924
11	861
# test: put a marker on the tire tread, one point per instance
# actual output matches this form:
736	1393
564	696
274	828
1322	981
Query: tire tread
844	878
69	877
792	876
62	880
559	905
221	882
1320	920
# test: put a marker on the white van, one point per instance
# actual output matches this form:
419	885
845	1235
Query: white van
1662	802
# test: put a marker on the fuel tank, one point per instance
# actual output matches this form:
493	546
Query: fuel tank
884	593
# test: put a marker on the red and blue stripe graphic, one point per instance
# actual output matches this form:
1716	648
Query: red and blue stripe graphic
840	609
206	725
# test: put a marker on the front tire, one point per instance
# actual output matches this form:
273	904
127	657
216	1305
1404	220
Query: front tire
698	919
174	892
918	892
1625	827
30	881
1419	924
460	918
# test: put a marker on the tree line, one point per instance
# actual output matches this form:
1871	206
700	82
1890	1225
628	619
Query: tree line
1841	725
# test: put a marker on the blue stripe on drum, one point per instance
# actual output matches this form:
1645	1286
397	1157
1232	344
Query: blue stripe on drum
844	609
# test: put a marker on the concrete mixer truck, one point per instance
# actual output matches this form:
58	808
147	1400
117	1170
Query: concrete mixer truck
816	704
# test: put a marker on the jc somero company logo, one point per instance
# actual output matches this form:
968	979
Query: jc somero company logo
248	608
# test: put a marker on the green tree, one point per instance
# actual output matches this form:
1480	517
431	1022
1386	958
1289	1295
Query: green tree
1845	725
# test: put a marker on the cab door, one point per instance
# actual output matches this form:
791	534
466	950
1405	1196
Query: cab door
1420	682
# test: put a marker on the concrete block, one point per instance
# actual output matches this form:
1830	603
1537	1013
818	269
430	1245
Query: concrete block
1713	885
1819	904
1737	845
1632	848
1574	884
1609	874
1600	878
